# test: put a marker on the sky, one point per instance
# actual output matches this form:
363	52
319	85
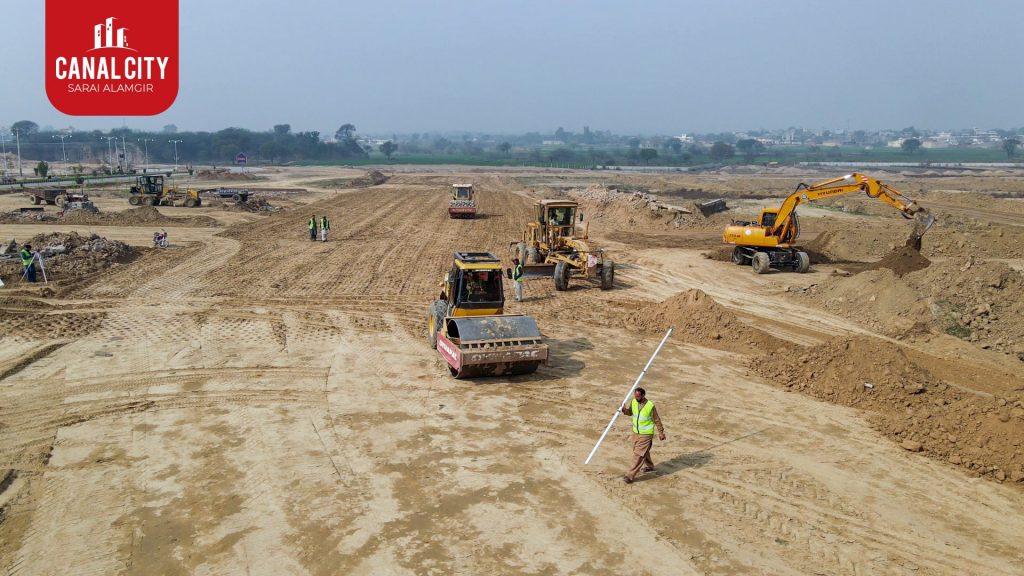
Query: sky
654	67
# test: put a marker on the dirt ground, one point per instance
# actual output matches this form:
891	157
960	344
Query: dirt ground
250	402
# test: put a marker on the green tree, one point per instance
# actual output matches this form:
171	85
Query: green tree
648	154
170	129
282	129
676	145
345	133
750	148
911	145
1010	146
720	151
505	147
388	148
42	169
24	127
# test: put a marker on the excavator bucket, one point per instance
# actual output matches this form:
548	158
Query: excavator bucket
923	222
492	345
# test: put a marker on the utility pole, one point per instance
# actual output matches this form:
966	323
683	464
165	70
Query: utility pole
124	149
175	142
17	137
145	142
62	154
110	157
3	146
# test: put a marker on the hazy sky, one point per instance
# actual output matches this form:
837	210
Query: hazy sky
663	67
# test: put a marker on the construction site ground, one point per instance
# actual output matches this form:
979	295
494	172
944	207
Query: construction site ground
249	402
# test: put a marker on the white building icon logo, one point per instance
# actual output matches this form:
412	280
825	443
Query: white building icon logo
106	37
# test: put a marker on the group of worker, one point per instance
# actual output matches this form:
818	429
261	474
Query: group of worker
323	225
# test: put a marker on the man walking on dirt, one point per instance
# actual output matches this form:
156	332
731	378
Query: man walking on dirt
517	278
312	228
28	263
325	225
644	420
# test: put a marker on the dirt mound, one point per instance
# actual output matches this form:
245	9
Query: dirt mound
252	204
27	217
141	216
937	412
372	178
71	255
225	175
698	318
902	260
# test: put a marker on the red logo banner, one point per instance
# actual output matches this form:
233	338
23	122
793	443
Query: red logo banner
112	57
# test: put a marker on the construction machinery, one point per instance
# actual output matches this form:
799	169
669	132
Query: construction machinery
557	245
468	327
462	204
769	242
149	190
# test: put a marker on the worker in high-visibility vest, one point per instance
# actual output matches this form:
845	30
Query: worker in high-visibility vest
28	263
325	225
644	420
312	228
517	278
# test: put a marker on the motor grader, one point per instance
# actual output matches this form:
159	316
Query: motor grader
149	191
554	246
769	242
469	329
462	204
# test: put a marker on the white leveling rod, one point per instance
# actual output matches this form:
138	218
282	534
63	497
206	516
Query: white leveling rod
628	394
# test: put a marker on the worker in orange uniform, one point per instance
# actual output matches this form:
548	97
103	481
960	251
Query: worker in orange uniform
644	420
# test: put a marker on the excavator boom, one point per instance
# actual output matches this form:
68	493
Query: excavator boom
768	242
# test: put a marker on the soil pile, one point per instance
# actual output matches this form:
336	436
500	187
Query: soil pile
902	261
372	178
698	318
612	209
141	216
252	204
923	411
977	300
27	217
71	255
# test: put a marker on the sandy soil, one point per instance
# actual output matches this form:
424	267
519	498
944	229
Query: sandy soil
251	402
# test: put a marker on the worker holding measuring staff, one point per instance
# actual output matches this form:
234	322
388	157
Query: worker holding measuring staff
644	421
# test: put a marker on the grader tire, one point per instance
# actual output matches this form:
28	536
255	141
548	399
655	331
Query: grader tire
522	250
36	200
190	203
534	254
134	200
608	275
561	276
760	263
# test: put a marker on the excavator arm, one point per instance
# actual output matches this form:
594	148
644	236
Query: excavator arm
785	226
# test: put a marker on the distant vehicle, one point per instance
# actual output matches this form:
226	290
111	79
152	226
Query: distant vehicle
50	196
462	204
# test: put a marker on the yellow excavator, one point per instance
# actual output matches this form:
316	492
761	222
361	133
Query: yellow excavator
769	242
468	327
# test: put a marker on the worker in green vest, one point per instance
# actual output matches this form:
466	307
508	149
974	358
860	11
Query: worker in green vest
28	263
312	228
325	225
644	420
517	278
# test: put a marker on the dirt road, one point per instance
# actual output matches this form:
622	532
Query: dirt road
262	404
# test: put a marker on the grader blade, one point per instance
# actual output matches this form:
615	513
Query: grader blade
492	345
538	270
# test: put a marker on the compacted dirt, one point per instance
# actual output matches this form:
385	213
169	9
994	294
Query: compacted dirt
251	402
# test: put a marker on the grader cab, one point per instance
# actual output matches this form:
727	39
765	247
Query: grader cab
556	245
